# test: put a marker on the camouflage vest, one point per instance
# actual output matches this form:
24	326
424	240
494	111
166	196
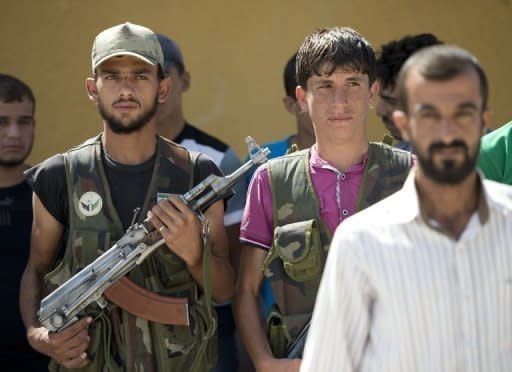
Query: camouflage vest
296	260
119	340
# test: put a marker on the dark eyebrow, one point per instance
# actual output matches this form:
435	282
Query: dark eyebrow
142	70
107	71
425	106
468	105
19	117
387	96
355	78
323	80
462	106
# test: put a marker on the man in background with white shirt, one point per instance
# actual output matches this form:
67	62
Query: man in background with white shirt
422	281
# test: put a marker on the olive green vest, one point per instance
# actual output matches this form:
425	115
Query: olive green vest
119	340
296	260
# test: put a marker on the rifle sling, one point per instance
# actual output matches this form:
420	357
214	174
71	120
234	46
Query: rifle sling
148	305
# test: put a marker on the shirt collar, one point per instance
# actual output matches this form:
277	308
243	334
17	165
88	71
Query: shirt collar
316	161
411	206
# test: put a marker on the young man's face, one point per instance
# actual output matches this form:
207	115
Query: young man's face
385	107
127	92
16	132
337	104
444	124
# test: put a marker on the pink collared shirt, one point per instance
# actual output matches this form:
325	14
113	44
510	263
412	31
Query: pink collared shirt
336	191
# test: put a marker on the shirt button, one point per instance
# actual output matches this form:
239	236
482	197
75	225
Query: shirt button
343	176
344	212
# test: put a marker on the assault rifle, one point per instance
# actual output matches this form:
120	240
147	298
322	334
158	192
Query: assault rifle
297	347
62	307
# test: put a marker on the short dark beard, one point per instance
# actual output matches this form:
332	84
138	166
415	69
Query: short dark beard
449	175
135	125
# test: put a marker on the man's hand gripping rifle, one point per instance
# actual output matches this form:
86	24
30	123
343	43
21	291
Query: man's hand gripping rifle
62	307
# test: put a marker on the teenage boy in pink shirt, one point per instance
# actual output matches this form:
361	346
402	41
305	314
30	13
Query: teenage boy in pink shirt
295	202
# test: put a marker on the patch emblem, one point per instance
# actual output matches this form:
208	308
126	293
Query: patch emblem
162	196
90	203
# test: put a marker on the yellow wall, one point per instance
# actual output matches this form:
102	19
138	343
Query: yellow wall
235	50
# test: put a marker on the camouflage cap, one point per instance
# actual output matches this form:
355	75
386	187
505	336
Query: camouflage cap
127	39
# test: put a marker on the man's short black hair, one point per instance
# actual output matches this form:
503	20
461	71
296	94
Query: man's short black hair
290	77
440	63
14	90
335	47
394	54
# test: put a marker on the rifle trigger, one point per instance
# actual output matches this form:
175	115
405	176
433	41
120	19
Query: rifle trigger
204	224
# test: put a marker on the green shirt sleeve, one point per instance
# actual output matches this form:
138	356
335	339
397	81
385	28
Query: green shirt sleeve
495	161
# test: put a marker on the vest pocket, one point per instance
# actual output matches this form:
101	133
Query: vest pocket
283	330
87	246
177	348
56	277
77	256
298	246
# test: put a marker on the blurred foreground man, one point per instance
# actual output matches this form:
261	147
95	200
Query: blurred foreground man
421	281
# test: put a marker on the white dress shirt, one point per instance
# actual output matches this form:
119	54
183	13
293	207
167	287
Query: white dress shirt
397	294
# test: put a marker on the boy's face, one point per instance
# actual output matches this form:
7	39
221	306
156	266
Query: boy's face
338	104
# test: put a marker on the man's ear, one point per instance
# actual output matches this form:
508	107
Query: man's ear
301	94
486	120
402	123
290	105
92	89
163	89
186	78
372	94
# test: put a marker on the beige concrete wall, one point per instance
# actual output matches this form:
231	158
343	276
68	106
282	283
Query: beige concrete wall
235	50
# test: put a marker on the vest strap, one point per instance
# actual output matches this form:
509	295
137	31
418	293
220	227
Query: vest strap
148	305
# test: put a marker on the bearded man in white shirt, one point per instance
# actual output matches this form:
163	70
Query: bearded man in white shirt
422	281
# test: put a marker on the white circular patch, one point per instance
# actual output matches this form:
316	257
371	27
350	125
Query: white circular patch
90	203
